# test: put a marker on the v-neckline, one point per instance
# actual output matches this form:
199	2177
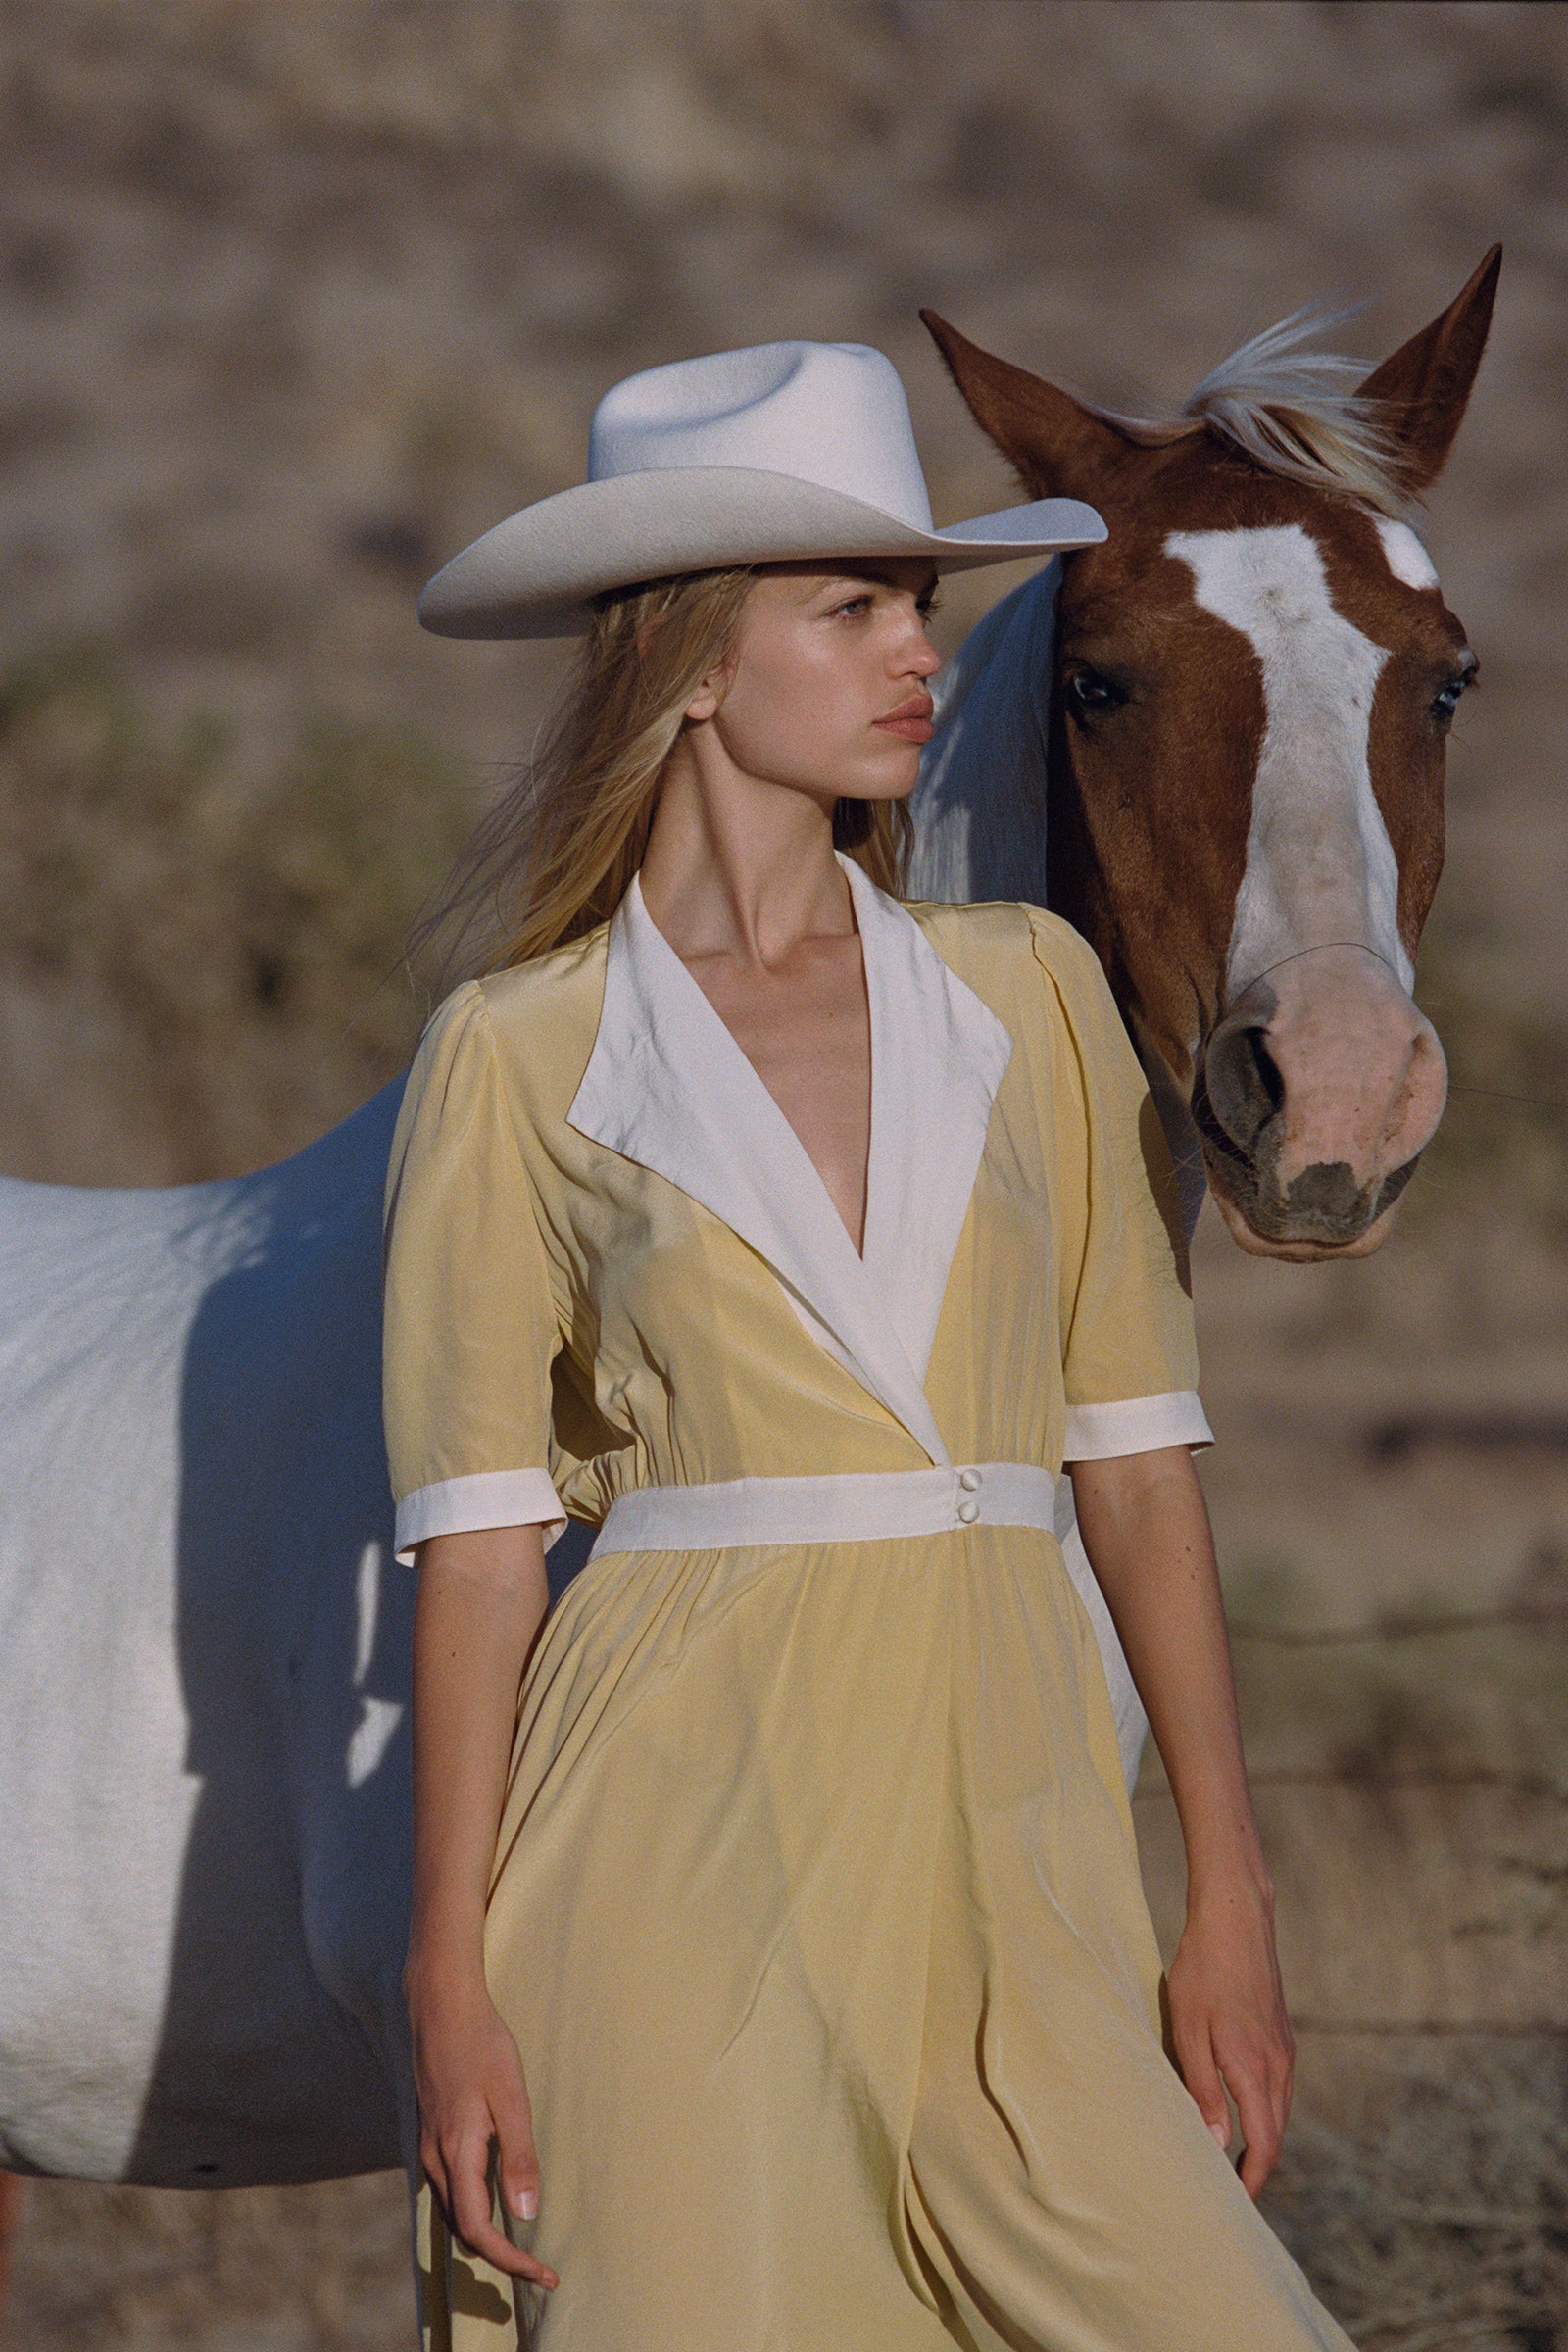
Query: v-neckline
734	1044
668	1088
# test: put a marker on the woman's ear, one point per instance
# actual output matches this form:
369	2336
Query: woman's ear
711	691
705	701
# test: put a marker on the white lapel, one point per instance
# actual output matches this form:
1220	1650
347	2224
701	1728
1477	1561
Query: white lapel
667	1086
937	1056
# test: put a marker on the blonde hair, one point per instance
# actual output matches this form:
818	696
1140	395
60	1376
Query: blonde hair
554	857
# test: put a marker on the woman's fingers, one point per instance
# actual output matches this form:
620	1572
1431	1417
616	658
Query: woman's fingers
476	2125
1228	2027
1256	2062
518	2160
1196	2057
467	2169
433	2166
1262	2126
1260	2079
1258	2085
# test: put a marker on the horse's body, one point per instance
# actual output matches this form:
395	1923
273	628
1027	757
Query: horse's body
204	1761
204	1773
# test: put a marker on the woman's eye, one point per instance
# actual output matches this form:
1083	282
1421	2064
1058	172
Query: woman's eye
856	604
1088	693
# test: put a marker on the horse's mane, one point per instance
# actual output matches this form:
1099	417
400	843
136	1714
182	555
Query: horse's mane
1296	411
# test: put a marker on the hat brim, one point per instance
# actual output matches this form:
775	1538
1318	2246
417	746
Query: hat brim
537	573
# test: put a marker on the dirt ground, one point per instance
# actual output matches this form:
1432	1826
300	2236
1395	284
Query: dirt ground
292	300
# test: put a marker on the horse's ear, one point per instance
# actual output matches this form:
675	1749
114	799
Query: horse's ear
1425	384
1059	448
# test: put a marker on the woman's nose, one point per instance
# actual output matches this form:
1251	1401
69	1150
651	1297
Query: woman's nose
923	657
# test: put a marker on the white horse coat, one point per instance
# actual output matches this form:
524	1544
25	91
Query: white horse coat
203	1642
204	1766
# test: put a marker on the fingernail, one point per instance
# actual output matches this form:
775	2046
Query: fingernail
1222	2133
527	2204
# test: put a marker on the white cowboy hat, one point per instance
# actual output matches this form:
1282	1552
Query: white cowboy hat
784	451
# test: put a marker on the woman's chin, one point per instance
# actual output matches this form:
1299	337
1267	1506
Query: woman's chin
888	780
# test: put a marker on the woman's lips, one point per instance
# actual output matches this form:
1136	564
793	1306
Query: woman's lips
911	719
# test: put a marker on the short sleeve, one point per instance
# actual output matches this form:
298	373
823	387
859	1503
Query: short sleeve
470	1329
1129	1349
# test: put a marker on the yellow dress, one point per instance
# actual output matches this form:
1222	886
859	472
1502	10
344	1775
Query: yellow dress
816	1909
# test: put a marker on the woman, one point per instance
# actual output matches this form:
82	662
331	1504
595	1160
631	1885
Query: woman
780	1976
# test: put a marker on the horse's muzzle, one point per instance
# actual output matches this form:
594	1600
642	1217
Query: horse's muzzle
1315	1099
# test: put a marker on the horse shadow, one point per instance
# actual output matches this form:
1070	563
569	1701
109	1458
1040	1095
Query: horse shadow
282	2054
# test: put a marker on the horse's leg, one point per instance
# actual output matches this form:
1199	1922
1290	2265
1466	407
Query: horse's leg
10	2205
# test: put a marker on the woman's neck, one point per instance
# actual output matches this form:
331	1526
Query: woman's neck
738	866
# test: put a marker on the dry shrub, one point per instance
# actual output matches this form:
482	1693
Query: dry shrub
226	964
1445	2223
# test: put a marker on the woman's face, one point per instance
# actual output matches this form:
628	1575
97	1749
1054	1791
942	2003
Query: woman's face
827	692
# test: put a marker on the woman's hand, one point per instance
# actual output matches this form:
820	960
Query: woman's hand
1147	1533
1228	2025
472	2098
481	1600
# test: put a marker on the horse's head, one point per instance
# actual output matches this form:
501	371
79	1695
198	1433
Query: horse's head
1255	679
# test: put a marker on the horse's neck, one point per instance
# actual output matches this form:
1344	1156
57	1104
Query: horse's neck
979	807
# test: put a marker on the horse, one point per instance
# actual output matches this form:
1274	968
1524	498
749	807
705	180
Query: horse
1232	719
1230	722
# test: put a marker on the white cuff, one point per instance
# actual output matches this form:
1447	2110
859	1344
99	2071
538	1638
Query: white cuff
1097	1432
489	1499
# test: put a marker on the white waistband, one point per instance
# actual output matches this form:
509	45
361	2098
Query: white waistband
842	1507
858	1507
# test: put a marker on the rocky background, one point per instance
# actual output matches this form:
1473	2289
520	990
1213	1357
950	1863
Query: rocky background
295	299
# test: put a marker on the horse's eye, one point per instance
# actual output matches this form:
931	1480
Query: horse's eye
1447	701
1089	693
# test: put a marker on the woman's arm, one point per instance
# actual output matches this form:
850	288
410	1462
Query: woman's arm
481	1600
1146	1529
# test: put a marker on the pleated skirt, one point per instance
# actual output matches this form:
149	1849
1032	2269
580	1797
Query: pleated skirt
818	1920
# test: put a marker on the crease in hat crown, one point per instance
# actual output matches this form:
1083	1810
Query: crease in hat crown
785	452
832	414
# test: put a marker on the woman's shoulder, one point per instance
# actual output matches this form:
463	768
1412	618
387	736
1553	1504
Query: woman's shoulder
1007	941
547	987
537	1020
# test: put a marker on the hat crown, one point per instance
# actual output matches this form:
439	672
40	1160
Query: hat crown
832	414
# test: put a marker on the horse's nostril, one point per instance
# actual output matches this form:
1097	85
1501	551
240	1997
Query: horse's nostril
1242	1082
1327	1198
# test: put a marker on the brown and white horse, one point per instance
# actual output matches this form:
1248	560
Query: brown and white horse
1239	754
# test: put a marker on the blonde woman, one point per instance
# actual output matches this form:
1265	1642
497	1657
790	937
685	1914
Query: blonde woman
780	1978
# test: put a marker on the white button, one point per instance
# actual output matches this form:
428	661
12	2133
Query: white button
968	1480
968	1510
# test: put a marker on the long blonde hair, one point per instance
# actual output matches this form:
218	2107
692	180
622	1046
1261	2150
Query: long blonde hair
556	855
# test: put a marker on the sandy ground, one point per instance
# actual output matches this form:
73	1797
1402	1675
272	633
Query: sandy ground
293	301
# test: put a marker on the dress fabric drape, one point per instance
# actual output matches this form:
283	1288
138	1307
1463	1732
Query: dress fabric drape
815	1907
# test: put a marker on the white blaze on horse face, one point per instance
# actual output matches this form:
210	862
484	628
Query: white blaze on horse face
1320	867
